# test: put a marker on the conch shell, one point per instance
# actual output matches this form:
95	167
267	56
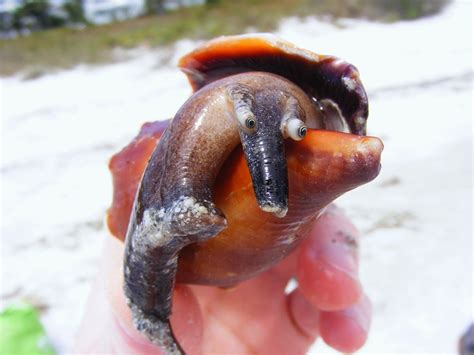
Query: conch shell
196	206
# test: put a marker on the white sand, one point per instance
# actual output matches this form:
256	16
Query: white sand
416	219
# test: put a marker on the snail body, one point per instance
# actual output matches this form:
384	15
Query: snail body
238	174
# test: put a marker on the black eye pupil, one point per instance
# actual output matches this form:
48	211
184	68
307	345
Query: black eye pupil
302	131
250	123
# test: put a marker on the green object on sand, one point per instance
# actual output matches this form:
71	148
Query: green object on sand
21	331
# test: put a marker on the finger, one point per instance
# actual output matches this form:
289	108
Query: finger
303	314
347	330
327	268
115	329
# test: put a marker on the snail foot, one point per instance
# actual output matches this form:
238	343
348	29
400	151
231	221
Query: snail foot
157	331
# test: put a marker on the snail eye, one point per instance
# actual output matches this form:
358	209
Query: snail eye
250	123
302	131
296	129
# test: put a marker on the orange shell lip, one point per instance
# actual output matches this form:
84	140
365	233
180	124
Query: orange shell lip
324	162
245	45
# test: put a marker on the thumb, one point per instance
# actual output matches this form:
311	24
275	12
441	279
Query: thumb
107	325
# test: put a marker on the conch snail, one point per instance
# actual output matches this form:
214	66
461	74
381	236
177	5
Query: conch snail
228	187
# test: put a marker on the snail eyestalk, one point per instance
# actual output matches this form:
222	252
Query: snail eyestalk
292	126
242	99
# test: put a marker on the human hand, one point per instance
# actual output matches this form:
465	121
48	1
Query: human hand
255	317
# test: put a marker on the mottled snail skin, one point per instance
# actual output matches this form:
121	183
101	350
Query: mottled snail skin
174	207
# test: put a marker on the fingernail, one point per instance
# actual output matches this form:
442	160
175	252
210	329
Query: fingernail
360	313
339	259
346	330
